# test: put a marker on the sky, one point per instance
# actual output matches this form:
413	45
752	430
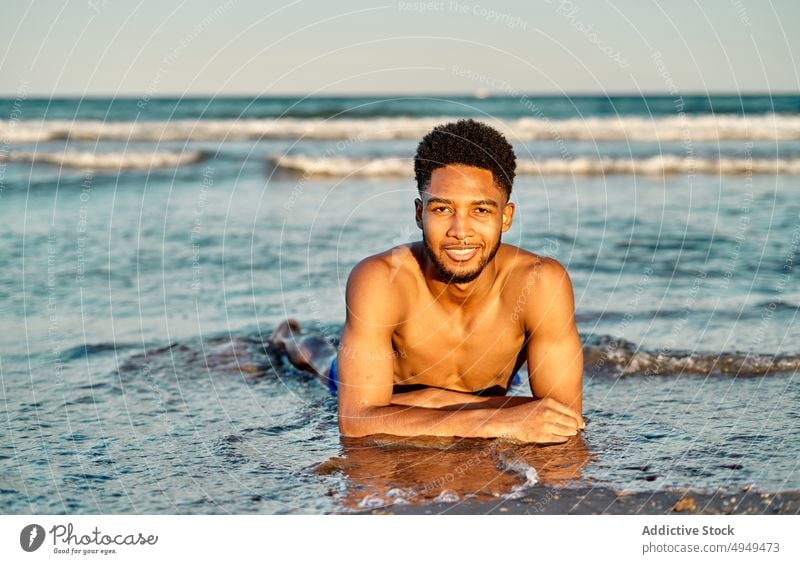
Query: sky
263	47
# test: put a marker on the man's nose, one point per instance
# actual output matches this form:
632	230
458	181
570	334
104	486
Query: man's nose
460	227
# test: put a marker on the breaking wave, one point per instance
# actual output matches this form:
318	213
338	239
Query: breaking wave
108	161
677	128
623	358
653	166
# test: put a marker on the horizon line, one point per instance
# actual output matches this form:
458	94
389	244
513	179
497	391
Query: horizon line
472	94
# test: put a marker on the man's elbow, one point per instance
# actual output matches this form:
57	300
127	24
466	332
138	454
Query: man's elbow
353	423
348	427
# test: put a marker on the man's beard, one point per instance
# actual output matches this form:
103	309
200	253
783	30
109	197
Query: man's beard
452	277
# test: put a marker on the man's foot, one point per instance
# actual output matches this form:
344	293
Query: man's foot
286	331
287	337
311	353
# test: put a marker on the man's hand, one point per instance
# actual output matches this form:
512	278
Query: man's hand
544	421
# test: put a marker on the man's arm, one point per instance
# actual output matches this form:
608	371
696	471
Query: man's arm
555	355
366	378
440	398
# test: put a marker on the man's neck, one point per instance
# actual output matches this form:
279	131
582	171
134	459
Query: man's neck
464	295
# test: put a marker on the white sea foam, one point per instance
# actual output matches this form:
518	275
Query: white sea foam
447	496
371	501
108	161
344	166
204	130
509	463
656	166
707	127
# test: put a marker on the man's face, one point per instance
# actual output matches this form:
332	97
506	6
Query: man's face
462	214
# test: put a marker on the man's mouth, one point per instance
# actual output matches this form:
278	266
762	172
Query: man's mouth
461	254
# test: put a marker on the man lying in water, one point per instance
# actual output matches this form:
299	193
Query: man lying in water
437	329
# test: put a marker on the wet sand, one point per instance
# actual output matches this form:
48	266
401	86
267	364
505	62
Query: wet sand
600	501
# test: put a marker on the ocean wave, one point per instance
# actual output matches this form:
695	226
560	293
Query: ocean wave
652	166
603	355
623	358
344	166
686	128
108	161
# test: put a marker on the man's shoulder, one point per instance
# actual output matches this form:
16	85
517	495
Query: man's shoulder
379	285
539	288
384	267
526	267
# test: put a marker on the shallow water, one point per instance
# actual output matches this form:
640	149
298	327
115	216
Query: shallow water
224	426
135	306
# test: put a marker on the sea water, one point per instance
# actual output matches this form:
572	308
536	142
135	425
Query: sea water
150	250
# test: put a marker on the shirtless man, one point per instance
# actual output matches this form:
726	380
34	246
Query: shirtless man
437	329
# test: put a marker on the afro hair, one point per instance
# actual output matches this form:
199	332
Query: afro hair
466	142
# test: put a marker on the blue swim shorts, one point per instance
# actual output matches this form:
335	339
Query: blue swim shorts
333	377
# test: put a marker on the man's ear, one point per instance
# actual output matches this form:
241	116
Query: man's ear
418	212
508	216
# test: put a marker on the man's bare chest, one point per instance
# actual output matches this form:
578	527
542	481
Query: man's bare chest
456	351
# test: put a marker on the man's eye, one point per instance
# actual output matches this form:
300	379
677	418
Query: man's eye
482	210
440	209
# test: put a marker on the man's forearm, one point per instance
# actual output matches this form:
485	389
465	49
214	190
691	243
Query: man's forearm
439	398
407	421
